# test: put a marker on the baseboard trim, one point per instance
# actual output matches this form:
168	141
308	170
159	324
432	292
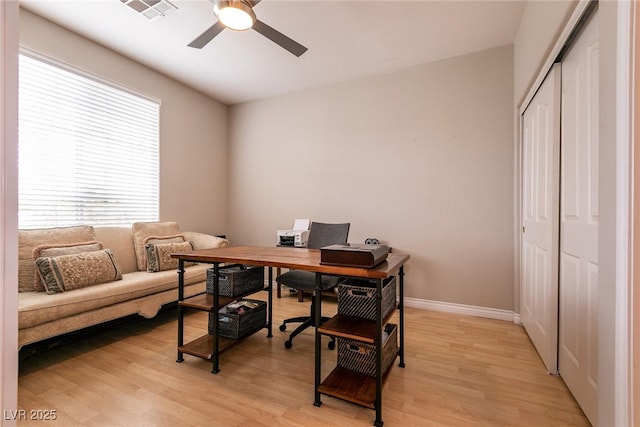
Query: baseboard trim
470	310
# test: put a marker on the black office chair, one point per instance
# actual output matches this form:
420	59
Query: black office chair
320	235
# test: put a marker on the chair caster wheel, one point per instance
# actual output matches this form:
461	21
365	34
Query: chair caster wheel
283	327
288	344
331	345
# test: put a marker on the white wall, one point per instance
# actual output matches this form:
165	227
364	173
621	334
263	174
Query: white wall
614	284
8	209
541	24
193	127
421	159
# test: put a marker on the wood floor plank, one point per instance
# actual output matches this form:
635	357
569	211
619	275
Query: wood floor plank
460	371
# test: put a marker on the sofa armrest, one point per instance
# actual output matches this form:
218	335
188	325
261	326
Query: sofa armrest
204	241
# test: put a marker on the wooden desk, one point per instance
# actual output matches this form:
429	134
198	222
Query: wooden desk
292	258
369	393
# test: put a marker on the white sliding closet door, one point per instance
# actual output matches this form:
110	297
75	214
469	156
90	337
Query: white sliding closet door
539	269
559	252
578	341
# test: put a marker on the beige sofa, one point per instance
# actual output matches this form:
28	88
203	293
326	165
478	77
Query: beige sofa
51	311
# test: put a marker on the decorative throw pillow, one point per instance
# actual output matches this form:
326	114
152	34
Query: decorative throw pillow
74	271
143	230
52	250
29	239
159	255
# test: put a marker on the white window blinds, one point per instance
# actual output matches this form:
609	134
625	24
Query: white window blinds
88	152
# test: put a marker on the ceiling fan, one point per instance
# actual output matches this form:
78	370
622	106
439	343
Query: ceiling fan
238	15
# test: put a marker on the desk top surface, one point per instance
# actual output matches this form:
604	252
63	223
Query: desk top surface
292	258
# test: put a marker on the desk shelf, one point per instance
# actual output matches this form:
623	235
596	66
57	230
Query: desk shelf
352	386
354	328
205	347
355	387
204	302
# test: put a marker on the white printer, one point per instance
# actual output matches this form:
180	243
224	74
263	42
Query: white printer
297	236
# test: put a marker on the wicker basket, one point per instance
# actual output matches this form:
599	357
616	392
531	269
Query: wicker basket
357	297
236	280
235	325
361	357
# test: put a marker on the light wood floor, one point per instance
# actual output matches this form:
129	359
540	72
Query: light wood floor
460	371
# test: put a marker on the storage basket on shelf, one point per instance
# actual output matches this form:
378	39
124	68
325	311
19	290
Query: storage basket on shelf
357	297
361	357
239	318
236	280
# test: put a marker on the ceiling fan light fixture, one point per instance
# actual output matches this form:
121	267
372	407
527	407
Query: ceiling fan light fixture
235	14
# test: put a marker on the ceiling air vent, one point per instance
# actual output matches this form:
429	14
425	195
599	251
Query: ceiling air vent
151	9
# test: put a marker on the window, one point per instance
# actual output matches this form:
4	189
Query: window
87	151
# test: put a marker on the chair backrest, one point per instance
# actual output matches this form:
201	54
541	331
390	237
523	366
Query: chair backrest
321	234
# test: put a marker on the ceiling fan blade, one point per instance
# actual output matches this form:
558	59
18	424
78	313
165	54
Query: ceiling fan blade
254	2
277	37
207	36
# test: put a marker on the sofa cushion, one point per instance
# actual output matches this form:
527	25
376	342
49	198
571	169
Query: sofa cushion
30	239
61	249
159	255
176	238
204	241
143	230
35	308
120	241
74	271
